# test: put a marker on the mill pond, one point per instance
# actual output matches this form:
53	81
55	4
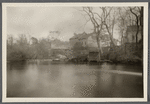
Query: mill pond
53	79
76	52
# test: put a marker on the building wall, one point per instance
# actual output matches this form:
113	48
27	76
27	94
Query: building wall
84	42
90	42
131	34
132	37
73	42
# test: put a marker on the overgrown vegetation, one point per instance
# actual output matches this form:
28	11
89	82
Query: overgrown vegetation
23	49
104	21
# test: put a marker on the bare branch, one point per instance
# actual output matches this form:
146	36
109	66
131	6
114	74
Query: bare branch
108	12
98	15
93	16
139	9
134	15
84	9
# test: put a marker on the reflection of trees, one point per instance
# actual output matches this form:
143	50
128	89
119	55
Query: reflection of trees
104	82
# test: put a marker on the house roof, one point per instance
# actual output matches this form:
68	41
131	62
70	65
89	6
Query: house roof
84	36
81	36
74	37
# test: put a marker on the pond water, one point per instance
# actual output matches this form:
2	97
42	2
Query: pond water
46	79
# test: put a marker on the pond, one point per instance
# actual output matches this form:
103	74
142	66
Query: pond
47	79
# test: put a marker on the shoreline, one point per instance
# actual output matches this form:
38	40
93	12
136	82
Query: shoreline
79	62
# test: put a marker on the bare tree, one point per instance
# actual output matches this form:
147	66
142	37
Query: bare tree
103	20
138	13
109	19
97	21
122	24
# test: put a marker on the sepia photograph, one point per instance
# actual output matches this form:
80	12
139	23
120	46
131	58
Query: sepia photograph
74	52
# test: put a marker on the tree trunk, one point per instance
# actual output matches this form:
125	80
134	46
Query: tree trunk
110	35
137	31
125	48
137	24
122	38
99	49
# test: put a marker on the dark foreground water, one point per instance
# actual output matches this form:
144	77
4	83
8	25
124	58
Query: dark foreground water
46	79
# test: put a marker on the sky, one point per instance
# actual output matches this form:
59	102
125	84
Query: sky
40	22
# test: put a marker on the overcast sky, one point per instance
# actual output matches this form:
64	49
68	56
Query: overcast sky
40	21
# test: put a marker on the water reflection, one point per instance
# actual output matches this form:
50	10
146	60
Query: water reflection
44	79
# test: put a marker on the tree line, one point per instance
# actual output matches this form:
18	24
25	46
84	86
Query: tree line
22	48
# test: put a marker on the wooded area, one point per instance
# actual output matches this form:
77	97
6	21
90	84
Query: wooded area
103	19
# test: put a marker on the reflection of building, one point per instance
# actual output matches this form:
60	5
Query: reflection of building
130	36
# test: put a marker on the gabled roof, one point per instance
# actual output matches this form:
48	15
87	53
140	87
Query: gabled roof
81	36
85	36
74	37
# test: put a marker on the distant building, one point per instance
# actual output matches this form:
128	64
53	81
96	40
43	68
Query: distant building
34	40
90	40
58	44
130	36
86	44
81	38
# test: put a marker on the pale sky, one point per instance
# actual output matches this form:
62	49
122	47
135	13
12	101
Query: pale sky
39	21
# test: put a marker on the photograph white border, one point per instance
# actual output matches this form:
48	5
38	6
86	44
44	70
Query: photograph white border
4	66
